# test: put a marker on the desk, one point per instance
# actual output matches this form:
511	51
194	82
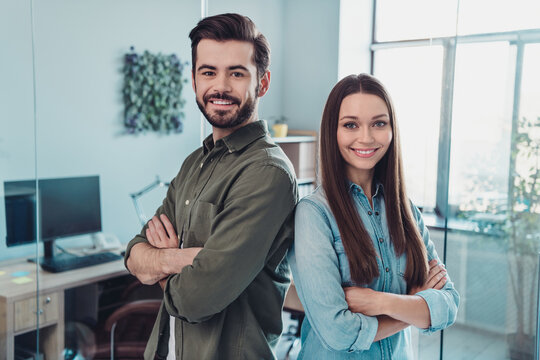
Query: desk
18	303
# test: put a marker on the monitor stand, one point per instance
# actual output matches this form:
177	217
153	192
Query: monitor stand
48	252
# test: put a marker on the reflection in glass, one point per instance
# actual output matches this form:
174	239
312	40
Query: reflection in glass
414	83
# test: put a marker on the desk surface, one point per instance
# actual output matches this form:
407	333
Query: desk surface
47	282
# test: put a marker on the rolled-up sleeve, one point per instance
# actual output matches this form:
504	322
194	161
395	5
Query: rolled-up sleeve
315	268
443	304
239	245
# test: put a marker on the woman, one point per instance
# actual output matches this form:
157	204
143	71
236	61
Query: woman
363	264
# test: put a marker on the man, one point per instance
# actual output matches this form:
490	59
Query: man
224	275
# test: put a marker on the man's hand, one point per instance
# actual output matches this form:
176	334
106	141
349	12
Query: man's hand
161	234
436	278
363	300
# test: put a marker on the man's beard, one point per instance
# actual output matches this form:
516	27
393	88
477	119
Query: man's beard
225	119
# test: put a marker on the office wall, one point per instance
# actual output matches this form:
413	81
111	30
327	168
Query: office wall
311	39
79	52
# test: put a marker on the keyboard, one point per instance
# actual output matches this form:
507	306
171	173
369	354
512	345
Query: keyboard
65	262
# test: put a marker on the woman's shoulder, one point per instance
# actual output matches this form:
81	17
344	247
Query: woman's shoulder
317	198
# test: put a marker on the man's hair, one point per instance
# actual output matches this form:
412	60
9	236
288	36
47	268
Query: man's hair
232	27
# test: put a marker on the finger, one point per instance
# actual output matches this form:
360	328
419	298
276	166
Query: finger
160	230
432	263
435	271
150	238
439	285
151	233
437	278
168	226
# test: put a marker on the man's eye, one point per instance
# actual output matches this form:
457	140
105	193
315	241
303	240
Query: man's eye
207	73
237	74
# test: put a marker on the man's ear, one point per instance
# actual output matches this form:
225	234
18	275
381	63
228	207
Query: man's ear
193	81
264	83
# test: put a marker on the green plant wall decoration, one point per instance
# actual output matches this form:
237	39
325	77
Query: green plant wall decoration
153	92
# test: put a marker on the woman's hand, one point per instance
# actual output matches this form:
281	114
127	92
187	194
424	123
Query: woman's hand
435	280
364	300
161	234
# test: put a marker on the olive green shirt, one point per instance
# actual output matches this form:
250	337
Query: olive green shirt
235	199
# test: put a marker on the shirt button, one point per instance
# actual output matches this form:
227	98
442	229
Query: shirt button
381	240
187	202
369	212
377	213
387	269
201	165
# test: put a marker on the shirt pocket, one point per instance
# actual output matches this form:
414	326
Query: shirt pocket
200	227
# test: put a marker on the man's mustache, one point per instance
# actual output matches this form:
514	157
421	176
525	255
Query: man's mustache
221	96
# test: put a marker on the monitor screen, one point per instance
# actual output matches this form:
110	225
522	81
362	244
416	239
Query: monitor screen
68	207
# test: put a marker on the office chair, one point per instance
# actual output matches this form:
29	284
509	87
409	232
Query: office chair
129	328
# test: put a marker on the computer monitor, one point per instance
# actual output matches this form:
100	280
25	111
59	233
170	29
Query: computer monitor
67	207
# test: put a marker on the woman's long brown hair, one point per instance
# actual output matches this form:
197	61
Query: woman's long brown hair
402	226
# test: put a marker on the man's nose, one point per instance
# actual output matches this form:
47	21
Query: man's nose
222	84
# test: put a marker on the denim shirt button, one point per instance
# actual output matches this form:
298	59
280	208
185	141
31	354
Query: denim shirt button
369	212
377	213
381	240
387	269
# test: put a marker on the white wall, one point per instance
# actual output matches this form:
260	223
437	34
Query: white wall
310	59
79	57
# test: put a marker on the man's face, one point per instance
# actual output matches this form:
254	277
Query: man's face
226	84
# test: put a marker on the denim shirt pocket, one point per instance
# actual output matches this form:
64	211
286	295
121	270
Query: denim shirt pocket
343	263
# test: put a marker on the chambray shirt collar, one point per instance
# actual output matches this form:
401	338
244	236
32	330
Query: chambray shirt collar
354	188
239	139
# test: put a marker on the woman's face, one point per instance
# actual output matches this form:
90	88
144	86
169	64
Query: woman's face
364	134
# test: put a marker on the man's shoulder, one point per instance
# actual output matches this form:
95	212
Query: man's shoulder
264	152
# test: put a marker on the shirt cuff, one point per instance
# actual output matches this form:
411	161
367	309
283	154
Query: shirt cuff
438	317
367	333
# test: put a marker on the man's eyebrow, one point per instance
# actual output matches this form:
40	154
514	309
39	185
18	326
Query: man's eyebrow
238	67
204	66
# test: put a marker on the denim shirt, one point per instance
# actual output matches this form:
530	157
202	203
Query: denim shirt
320	271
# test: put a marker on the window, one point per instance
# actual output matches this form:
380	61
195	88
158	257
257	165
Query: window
463	79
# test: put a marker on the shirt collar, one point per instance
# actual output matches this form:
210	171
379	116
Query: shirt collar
239	139
378	188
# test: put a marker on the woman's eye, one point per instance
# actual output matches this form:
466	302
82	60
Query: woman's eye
380	124
350	125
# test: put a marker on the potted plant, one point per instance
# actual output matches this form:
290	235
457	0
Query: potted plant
523	233
280	126
152	92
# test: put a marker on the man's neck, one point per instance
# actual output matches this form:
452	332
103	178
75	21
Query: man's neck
218	133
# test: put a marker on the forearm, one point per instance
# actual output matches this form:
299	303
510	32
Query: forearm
388	326
410	309
150	264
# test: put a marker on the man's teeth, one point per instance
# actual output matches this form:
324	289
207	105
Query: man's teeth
365	152
222	102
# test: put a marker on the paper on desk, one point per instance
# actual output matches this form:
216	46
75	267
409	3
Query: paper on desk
21	280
